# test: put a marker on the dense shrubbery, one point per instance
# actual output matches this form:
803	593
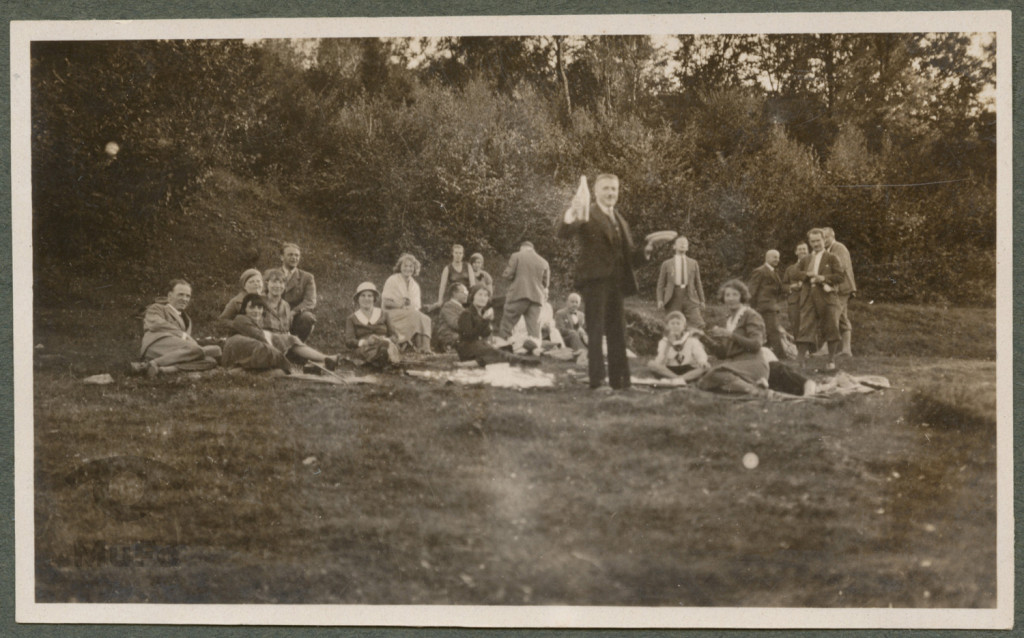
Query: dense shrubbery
398	158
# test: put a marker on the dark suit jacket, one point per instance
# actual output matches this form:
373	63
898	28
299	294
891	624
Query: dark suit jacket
667	281
765	289
793	276
830	268
299	290
564	323
446	328
596	236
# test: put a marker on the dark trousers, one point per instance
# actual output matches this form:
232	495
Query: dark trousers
826	312
603	300
681	301
303	324
485	354
771	327
783	378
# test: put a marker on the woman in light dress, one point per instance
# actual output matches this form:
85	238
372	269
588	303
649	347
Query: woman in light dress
402	300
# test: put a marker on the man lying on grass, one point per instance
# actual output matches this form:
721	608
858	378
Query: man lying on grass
167	344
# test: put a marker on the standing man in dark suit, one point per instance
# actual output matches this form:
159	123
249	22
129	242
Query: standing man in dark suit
604	275
299	291
846	289
529	280
819	315
765	292
679	286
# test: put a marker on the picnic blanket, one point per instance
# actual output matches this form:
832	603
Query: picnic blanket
842	384
499	375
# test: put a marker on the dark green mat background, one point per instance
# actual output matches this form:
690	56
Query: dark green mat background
171	9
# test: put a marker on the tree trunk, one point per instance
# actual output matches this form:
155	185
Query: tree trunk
563	79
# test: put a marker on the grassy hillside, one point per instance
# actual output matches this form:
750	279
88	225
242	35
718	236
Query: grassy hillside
228	487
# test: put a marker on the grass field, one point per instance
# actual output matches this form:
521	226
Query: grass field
237	488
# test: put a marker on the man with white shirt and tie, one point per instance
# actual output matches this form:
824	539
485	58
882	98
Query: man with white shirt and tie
819	312
679	287
604	276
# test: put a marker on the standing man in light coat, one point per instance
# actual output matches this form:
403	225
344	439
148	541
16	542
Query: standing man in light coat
529	280
847	289
679	286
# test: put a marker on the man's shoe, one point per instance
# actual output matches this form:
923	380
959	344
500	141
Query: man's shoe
602	389
331	363
137	368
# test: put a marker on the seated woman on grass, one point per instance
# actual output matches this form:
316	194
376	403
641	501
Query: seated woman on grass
277	320
366	329
742	367
745	366
402	301
474	330
476	261
250	347
681	356
251	282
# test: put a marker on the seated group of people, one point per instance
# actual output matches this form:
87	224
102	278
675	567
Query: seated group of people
743	364
270	318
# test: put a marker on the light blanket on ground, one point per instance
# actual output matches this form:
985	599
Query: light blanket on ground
499	375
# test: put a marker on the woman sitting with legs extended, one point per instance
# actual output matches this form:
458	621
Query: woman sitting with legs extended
742	367
745	365
277	320
250	347
474	330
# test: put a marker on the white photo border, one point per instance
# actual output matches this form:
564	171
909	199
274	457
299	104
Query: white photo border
22	34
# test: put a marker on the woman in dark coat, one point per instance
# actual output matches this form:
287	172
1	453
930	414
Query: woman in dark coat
474	330
250	348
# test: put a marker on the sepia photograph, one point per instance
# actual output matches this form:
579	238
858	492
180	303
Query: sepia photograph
623	321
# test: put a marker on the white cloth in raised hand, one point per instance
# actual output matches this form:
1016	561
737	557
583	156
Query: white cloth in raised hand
579	210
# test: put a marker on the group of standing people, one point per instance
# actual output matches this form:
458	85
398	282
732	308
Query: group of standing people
817	288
